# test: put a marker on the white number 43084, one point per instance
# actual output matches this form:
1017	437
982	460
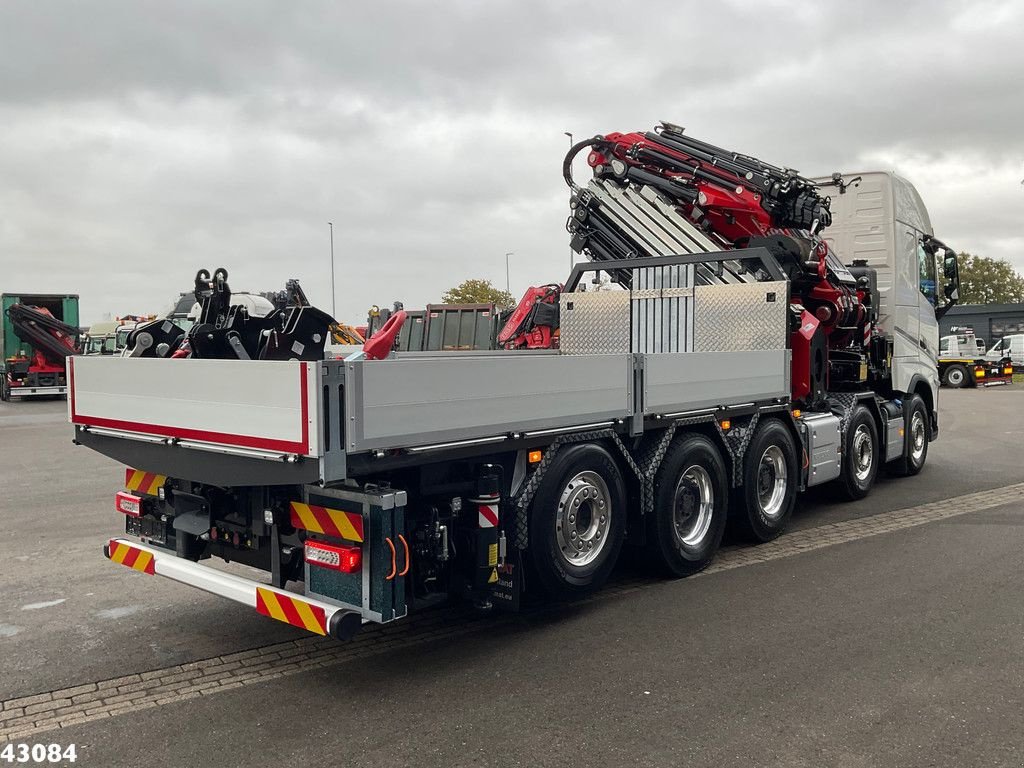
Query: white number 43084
38	753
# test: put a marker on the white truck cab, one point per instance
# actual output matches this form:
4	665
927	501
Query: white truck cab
959	355
879	219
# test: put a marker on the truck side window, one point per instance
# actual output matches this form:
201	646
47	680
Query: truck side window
926	274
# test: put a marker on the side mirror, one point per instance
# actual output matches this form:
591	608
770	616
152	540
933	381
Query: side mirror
951	272
950	269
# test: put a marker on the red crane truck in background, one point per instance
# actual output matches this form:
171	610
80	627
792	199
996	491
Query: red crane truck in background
737	361
38	332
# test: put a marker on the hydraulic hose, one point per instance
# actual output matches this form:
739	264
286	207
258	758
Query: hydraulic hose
571	155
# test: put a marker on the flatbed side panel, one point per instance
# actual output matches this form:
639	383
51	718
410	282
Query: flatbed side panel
681	382
259	405
406	402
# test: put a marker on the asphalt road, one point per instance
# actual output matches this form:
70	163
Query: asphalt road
904	648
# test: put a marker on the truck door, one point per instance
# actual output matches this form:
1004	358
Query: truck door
916	331
928	299
1016	348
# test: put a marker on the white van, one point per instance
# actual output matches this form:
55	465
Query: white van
1012	346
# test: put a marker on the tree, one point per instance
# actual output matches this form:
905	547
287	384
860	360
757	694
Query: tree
478	292
989	281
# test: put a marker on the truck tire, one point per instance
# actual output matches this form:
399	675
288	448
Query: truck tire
691	506
955	377
764	503
5	388
577	522
860	455
915	436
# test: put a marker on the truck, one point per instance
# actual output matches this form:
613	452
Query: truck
37	333
963	361
101	338
741	359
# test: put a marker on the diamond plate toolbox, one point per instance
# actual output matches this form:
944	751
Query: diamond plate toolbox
737	318
594	323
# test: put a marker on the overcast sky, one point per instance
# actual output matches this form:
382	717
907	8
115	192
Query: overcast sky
140	141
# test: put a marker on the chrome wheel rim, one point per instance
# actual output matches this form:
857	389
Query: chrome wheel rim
692	505
956	376
584	515
772	481
917	436
863	452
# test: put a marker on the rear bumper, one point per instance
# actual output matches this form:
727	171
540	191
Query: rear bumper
38	391
306	613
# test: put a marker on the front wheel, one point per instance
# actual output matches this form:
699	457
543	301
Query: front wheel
915	445
860	455
691	498
577	522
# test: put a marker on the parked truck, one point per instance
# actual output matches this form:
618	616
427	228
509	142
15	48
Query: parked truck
963	361
37	333
739	362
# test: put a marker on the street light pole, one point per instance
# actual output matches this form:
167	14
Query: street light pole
507	283
571	259
334	309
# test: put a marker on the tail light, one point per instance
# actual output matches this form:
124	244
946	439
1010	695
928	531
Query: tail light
1007	371
979	373
338	558
127	504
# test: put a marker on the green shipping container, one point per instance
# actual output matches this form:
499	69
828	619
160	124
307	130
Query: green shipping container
62	306
460	327
410	338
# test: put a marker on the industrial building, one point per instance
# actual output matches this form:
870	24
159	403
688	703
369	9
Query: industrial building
989	321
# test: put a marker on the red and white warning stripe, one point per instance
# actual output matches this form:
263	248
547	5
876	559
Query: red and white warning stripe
487	515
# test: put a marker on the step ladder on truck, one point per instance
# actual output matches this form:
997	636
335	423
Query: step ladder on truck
710	387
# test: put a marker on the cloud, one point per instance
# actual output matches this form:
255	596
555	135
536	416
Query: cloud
141	141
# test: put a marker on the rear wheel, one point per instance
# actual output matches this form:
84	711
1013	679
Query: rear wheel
917	429
860	455
577	522
690	507
765	502
956	376
5	388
